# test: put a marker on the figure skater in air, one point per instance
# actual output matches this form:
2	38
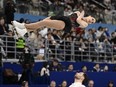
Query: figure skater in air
65	23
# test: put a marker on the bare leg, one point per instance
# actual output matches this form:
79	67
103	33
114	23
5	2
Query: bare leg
47	22
55	24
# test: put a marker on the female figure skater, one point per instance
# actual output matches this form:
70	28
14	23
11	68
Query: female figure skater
65	23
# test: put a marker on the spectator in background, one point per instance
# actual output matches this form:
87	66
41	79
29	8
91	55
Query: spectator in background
45	70
55	65
90	83
99	32
113	42
67	48
51	44
113	37
84	69
82	49
23	8
3	28
9	11
89	34
67	10
55	35
52	84
36	40
70	68
106	68
9	76
96	68
30	39
107	2
49	30
25	84
27	63
64	84
94	33
110	84
106	32
28	57
45	73
91	48
38	45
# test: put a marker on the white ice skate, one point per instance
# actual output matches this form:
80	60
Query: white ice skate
19	28
19	25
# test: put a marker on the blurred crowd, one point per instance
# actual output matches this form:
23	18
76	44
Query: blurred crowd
91	83
104	11
51	66
56	66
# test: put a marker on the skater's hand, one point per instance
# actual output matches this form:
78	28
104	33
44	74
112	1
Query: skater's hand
82	23
80	14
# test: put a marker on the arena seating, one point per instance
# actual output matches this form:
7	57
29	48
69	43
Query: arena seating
100	78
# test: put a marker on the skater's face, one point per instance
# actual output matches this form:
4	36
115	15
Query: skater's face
90	19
